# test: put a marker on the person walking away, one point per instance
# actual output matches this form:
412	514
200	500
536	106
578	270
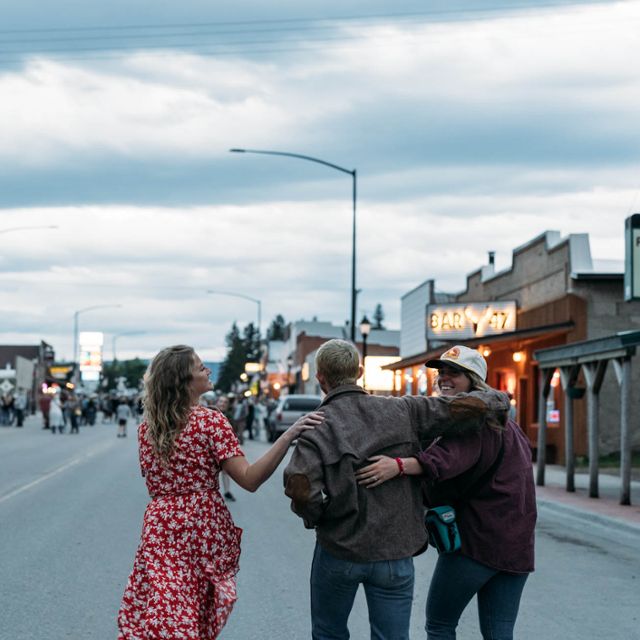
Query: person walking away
222	405
56	416
20	405
45	403
123	413
72	408
6	409
251	414
488	478
183	581
368	537
240	417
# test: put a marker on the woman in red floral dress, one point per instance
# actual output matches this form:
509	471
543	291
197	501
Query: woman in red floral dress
183	582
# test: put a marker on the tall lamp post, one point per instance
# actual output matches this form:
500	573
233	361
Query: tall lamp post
353	174
365	328
75	324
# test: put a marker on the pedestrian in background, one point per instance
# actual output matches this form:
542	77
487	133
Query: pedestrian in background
183	581
73	412
222	405
123	413
6	409
56	415
45	403
20	405
488	478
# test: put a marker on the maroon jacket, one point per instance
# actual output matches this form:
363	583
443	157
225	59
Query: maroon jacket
496	513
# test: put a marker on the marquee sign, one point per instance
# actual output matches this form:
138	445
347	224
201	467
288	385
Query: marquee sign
467	320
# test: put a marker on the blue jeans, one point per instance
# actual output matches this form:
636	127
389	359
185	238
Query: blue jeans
388	587
455	581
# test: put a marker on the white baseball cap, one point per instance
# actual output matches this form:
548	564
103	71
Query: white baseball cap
462	358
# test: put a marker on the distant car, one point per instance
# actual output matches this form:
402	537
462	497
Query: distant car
288	410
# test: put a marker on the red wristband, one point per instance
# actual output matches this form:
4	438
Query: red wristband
400	464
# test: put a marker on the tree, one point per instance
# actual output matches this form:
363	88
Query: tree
276	328
131	370
378	317
251	339
233	364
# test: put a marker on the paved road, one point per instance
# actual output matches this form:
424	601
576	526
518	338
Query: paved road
70	514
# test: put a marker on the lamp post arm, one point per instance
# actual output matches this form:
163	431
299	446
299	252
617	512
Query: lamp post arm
296	155
353	174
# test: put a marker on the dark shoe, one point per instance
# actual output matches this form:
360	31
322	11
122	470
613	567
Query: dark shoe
229	496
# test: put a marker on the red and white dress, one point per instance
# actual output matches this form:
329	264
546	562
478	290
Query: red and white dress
183	582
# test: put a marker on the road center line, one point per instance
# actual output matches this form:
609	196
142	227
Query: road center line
55	472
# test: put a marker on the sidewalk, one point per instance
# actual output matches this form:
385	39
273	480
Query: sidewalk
605	509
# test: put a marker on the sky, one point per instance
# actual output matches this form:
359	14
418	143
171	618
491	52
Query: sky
473	127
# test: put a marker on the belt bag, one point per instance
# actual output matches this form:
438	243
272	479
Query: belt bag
442	529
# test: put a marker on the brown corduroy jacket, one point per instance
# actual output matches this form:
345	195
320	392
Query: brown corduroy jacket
386	522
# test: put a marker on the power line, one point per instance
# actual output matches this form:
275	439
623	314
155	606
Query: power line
242	47
347	18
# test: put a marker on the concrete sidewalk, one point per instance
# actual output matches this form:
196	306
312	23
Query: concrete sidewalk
605	509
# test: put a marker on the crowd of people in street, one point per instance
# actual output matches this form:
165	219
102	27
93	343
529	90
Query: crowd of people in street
13	409
64	410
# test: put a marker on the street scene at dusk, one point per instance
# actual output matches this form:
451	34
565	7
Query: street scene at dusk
320	321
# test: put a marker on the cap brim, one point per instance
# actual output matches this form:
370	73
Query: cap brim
438	364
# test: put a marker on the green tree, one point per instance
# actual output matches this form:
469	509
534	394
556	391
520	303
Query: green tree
276	328
251	339
235	360
378	317
132	370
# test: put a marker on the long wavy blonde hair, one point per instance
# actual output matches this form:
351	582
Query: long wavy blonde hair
167	397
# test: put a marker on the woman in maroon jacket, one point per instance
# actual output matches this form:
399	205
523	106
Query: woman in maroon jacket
488	477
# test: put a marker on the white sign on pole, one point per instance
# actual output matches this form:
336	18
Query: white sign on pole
24	373
91	354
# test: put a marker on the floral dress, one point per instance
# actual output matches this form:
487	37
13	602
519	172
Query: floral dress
183	582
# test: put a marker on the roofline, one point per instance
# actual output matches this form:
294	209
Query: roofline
421	358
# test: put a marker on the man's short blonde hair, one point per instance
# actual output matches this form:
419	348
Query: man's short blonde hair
338	361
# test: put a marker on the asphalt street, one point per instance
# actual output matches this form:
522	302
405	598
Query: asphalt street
70	514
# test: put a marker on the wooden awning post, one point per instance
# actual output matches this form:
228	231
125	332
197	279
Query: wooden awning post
622	368
593	375
545	376
568	377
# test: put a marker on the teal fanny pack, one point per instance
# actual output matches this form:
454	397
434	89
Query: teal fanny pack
442	529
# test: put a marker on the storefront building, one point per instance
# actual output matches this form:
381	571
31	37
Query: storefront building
553	294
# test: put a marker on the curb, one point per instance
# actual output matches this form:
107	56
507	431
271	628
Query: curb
589	516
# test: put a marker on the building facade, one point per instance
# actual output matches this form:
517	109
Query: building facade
554	293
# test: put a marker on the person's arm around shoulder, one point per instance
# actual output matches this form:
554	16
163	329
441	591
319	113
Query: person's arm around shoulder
463	413
445	459
251	476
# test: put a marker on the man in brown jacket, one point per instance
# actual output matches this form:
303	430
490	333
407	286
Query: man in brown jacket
365	536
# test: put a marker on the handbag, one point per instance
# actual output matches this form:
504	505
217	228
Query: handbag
442	529
440	522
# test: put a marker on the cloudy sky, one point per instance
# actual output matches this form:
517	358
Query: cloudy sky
474	126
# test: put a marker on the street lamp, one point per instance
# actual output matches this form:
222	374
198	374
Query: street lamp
365	328
75	325
353	174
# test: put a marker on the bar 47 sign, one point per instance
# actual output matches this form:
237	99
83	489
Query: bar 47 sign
468	320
